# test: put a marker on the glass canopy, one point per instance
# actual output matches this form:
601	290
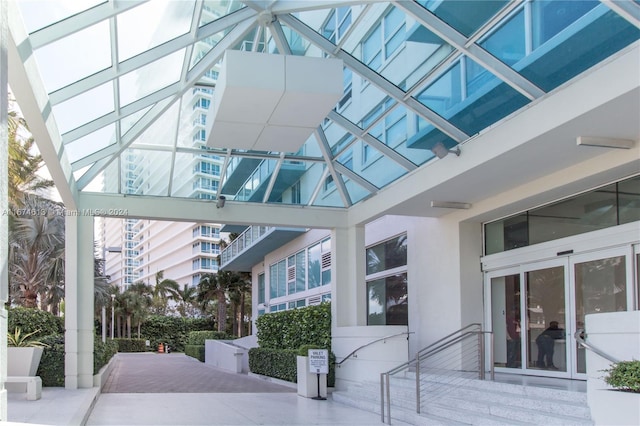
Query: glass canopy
131	85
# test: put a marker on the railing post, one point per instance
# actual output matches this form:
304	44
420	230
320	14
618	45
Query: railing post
382	397
491	358
388	400
418	383
481	353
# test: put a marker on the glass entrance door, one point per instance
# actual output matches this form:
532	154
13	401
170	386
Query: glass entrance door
600	285
545	319
536	308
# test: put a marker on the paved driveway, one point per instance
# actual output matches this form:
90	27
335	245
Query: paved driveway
178	373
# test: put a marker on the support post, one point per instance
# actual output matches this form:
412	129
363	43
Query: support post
79	302
4	205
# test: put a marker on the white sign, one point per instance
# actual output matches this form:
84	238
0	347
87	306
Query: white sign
319	361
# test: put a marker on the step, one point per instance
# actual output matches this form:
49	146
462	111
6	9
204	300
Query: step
398	415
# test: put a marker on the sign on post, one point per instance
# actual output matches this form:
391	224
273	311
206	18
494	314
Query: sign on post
319	361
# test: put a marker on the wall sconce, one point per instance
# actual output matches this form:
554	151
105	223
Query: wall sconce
221	200
441	151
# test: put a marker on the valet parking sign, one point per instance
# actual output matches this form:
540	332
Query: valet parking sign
319	361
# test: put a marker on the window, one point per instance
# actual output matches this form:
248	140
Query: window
384	40
387	300
319	264
278	279
261	288
297	304
337	24
195	280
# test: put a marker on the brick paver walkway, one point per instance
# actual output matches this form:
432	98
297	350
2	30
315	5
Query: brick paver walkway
178	373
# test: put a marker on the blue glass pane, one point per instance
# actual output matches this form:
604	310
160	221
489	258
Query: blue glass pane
374	167
508	42
356	192
471	98
552	17
587	41
466	16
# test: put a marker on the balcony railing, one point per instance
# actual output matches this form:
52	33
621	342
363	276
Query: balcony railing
244	240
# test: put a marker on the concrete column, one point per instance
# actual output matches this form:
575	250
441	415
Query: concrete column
79	331
348	293
4	206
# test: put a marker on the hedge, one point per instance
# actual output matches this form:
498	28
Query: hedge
131	345
198	337
282	335
102	353
173	330
51	368
30	320
195	351
278	363
294	328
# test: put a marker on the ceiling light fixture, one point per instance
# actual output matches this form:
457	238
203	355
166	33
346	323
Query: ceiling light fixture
604	142
451	205
442	151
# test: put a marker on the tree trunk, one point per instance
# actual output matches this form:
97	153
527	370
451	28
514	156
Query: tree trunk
241	333
128	326
222	312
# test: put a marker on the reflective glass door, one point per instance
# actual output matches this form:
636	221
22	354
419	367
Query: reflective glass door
545	320
600	285
505	301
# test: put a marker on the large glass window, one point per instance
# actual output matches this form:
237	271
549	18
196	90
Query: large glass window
261	288
277	279
601	208
387	302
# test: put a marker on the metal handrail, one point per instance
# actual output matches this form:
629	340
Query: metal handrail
475	324
431	350
578	335
352	354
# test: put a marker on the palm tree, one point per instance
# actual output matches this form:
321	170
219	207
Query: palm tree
216	286
36	245
237	294
186	299
138	300
22	163
164	290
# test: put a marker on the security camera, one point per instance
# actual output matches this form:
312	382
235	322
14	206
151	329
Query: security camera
221	201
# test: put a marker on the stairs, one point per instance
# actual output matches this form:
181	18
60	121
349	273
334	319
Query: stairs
464	401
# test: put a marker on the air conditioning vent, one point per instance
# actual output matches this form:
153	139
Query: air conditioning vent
326	260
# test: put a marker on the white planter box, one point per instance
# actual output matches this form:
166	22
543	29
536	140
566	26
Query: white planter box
610	407
308	382
23	361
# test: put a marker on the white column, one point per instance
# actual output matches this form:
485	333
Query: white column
79	311
4	206
348	293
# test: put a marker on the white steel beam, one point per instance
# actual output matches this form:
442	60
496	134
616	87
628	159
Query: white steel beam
192	210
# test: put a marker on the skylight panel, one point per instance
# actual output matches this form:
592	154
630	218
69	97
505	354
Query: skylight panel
74	57
38	14
151	24
91	143
84	108
155	76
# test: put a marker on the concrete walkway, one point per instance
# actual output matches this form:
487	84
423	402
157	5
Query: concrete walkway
178	373
173	389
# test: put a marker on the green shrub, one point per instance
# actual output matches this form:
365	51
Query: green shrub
131	345
195	351
278	363
291	329
624	376
102	353
173	330
294	331
31	320
51	368
198	337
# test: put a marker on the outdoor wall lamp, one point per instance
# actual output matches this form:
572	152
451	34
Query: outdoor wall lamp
221	200
441	151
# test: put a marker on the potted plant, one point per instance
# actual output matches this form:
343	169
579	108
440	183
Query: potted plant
619	405
24	353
